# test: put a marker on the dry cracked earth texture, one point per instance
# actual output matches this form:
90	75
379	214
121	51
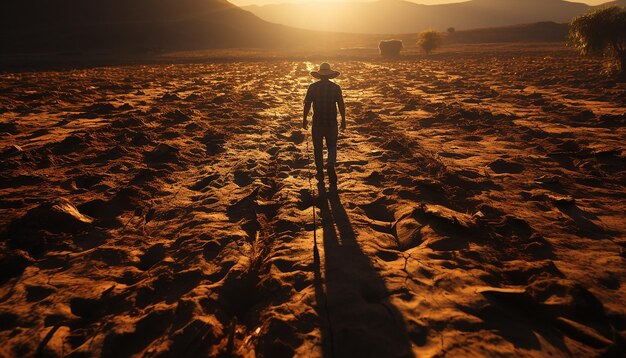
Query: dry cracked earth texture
166	210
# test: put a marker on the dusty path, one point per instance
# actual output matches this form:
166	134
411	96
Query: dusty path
478	211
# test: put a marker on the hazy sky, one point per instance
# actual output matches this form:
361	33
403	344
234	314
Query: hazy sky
264	2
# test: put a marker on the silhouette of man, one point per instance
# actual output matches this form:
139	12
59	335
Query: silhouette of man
326	97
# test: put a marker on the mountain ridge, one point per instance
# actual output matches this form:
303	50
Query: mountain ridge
399	16
139	25
149	26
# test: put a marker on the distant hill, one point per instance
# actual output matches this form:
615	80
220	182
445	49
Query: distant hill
618	3
537	32
547	32
135	25
29	26
398	16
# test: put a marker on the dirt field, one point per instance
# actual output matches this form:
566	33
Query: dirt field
167	210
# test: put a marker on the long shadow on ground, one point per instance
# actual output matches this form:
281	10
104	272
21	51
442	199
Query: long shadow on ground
358	319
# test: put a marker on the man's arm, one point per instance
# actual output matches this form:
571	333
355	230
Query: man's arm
342	110
307	108
308	99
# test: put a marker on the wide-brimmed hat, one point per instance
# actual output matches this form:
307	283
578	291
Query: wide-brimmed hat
325	71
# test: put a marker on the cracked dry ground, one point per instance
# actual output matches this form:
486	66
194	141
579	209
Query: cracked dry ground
166	211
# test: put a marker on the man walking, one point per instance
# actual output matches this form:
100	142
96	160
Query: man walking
326	97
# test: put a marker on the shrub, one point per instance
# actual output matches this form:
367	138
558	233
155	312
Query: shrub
390	48
601	32
429	40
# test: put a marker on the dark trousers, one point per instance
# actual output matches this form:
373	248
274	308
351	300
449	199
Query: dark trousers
318	135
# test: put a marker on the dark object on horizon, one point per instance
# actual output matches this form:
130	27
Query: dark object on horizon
429	40
390	48
602	32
